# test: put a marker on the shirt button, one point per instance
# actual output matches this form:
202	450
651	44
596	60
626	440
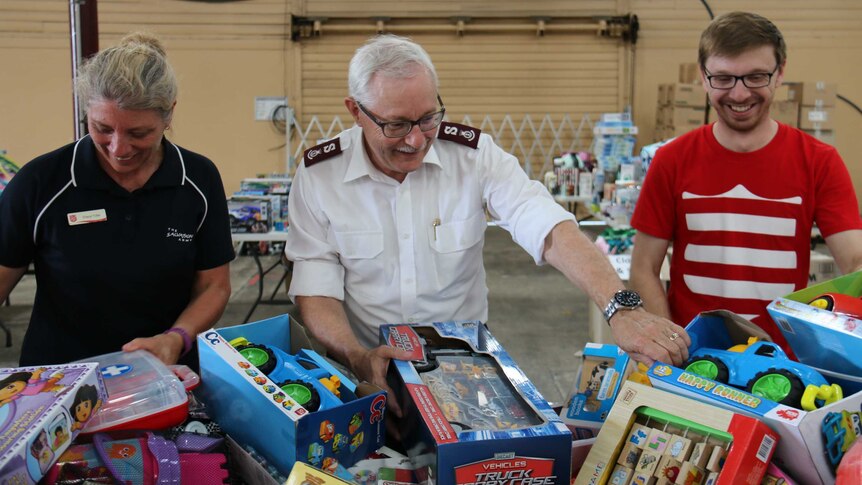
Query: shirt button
409	281
405	236
128	217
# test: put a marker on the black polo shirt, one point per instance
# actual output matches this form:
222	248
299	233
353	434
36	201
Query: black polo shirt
102	284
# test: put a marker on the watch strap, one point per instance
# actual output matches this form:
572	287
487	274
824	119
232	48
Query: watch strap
187	340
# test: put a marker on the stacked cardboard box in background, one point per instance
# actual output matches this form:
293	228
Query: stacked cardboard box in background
681	105
816	108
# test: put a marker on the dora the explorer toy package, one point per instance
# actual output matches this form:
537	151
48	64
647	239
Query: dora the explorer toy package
42	409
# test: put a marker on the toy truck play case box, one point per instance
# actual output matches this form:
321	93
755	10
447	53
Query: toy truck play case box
652	436
471	416
286	401
823	338
42	409
804	443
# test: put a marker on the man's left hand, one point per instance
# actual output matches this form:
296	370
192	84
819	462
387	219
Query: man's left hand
648	338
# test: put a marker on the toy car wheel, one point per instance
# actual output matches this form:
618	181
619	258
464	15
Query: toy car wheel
303	393
709	367
428	365
259	355
779	385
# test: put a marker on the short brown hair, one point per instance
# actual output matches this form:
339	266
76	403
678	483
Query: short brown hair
733	33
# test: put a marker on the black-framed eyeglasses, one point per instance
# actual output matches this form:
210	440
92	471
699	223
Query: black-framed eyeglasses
728	81
398	129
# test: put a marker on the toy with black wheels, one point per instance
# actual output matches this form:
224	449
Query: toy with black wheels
709	367
779	385
303	393
260	356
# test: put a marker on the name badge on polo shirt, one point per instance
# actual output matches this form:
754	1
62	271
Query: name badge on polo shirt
87	217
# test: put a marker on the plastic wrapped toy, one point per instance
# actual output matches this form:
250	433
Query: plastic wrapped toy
838	303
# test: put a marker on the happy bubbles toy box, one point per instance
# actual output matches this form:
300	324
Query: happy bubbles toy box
470	414
42	409
266	387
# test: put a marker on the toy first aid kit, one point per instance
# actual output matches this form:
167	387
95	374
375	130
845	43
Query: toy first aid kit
470	415
42	409
805	435
604	368
265	386
652	436
142	392
826	336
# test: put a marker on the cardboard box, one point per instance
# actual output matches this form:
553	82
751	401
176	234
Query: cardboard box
817	118
470	414
40	420
689	73
821	268
249	214
749	442
802	451
821	338
686	95
254	411
827	137
786	112
819	93
684	117
604	368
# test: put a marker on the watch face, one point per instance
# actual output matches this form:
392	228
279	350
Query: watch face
627	298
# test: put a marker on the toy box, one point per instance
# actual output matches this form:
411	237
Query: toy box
819	337
42	409
470	415
602	372
652	436
803	446
259	412
249	214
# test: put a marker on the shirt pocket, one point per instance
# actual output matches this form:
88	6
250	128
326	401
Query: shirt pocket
365	277
359	244
457	236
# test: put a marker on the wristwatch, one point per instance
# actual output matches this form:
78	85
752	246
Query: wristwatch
622	300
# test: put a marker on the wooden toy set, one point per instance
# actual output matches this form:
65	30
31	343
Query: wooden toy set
652	437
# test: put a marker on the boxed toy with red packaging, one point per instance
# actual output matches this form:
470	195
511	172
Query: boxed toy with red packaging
42	409
265	386
806	436
470	415
653	436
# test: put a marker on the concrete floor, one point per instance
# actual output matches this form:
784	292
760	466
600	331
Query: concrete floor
538	316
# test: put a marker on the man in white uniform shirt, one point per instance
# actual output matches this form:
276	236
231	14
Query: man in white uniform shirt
387	225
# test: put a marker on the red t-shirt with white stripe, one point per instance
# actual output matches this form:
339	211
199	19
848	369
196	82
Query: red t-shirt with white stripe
741	222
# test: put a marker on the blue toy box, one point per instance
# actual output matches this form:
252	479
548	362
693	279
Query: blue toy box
260	412
802	450
604	368
42	409
470	415
821	338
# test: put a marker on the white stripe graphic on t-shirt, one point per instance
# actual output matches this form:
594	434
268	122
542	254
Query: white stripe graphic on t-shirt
758	258
748	316
741	192
754	290
722	221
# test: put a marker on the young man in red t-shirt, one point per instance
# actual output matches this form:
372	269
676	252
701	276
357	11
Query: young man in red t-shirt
738	197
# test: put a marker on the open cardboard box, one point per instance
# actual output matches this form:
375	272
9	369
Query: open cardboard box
249	406
802	449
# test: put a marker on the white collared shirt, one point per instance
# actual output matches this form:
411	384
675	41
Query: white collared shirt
411	251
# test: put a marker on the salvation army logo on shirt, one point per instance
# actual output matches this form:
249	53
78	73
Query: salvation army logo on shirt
179	236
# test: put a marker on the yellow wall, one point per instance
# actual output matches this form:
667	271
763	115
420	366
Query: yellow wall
226	53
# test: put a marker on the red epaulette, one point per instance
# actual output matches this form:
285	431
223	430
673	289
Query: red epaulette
461	134
319	153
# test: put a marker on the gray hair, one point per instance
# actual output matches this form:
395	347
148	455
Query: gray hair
388	55
135	74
